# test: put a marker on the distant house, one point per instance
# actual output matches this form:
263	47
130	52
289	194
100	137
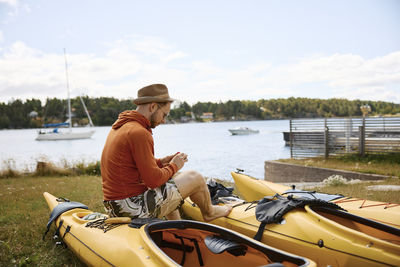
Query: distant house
186	119
72	113
33	114
207	116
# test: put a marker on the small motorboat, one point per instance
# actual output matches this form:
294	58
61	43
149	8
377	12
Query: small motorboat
243	131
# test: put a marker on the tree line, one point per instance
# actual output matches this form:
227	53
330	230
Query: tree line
32	113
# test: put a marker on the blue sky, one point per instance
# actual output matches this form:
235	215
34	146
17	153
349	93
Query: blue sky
202	50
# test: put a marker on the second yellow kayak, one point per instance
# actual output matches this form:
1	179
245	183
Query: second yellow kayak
254	189
328	237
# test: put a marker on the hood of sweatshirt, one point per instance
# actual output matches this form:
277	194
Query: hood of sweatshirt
131	115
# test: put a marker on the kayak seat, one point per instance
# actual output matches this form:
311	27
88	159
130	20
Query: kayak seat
218	245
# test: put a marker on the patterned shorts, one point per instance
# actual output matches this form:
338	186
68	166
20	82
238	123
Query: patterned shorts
154	203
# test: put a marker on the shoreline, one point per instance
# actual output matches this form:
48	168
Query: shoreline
222	120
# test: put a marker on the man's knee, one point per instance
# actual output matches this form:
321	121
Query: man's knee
195	178
189	182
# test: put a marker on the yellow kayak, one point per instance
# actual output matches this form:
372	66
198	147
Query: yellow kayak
254	189
121	241
328	237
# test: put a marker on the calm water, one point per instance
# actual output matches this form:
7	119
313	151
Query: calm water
212	150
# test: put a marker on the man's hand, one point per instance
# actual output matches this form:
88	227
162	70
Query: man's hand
179	159
167	159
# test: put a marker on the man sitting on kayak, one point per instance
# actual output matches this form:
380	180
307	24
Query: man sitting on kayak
135	183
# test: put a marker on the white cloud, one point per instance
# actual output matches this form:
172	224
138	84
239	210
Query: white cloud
135	61
370	93
29	72
1	37
351	76
9	2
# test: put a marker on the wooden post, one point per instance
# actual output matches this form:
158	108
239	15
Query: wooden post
348	127
291	139
361	140
326	140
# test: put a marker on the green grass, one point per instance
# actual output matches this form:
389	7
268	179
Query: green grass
24	214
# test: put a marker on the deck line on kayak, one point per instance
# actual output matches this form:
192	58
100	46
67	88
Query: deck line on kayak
97	254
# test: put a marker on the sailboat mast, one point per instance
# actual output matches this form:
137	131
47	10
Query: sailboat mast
69	99
87	113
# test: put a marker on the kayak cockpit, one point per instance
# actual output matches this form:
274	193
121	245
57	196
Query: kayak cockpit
191	243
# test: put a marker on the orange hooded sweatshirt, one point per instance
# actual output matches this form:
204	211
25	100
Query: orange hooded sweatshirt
128	166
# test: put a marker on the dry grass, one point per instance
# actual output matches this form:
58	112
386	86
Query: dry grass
51	170
359	190
378	164
385	164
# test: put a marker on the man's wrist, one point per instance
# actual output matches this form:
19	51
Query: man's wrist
174	167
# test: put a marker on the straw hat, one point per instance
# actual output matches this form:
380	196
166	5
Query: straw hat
157	93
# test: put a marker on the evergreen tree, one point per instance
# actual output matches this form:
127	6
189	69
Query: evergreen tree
105	110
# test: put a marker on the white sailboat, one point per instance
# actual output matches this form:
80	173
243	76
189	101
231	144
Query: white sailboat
55	133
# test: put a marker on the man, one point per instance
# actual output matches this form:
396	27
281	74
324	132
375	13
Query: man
137	185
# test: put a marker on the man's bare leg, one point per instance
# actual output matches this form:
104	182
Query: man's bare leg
192	184
174	215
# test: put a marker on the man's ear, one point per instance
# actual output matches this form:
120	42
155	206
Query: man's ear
152	107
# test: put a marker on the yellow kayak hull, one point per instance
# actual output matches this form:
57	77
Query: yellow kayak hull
252	189
119	244
165	243
326	239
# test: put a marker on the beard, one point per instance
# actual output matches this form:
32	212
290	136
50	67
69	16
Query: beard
153	123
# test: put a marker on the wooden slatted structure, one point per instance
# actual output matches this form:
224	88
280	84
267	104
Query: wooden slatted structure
337	136
382	135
